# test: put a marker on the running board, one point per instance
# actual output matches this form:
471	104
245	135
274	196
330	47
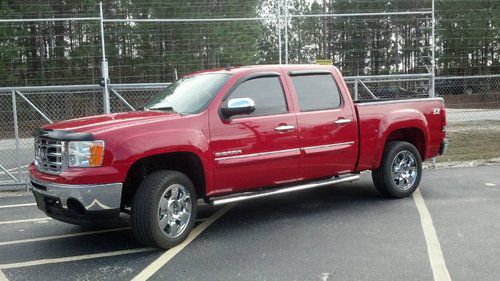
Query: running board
216	201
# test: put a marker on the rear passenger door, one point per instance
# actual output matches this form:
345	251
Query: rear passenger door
327	127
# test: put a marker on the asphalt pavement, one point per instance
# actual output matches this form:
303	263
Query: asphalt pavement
342	232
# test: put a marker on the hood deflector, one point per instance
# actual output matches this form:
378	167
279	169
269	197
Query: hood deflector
63	135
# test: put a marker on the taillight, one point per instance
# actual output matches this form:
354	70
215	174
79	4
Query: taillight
443	119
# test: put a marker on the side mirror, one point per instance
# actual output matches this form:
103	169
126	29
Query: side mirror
238	106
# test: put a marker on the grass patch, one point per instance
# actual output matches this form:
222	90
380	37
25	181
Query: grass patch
472	141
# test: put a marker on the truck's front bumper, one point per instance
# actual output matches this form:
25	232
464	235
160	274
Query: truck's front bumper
444	147
78	204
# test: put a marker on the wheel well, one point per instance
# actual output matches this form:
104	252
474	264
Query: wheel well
185	162
414	136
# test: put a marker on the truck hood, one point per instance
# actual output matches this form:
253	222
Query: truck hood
103	123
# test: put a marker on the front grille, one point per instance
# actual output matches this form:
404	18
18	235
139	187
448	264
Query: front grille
49	155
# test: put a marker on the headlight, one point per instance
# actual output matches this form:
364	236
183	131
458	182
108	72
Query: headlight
85	153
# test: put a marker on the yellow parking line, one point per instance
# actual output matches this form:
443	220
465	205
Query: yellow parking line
436	258
25	220
17	205
62	236
74	258
3	277
168	255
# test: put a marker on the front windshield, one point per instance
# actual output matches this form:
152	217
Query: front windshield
188	95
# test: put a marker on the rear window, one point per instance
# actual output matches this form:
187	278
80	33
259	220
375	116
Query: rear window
316	92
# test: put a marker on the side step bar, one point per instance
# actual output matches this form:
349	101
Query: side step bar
216	201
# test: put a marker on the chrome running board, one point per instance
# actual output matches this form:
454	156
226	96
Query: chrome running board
216	201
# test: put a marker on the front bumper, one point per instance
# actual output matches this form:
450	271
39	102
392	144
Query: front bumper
78	204
444	147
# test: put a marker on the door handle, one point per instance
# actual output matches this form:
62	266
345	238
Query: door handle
342	121
284	128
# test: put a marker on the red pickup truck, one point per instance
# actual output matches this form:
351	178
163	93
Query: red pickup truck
225	136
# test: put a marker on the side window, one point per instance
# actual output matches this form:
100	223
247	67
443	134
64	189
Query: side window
266	92
316	92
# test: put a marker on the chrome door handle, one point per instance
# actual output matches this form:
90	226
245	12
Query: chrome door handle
342	121
284	128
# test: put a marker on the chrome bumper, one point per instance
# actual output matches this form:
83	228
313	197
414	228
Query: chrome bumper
444	147
93	197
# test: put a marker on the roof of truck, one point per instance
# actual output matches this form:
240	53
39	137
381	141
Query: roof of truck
265	67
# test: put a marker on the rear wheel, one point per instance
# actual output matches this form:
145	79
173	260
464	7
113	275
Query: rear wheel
400	170
164	209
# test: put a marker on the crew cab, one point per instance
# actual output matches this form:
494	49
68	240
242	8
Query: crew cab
229	135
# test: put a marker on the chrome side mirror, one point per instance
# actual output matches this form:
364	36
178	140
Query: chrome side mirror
238	106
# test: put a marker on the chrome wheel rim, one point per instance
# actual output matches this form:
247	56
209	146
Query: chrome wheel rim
404	170
174	210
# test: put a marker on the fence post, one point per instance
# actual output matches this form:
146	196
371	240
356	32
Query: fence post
16	134
105	73
433	93
433	73
431	90
278	19
286	31
356	94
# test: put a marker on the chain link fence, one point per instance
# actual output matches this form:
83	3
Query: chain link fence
473	113
370	41
25	109
473	117
473	110
411	86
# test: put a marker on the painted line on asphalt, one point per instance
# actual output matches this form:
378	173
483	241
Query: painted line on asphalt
74	258
26	220
17	205
3	277
169	254
30	240
436	258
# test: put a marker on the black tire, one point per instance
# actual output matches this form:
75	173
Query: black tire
145	212
383	178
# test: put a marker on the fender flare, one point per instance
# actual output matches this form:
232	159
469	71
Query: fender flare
401	119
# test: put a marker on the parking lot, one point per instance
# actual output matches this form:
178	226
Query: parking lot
343	232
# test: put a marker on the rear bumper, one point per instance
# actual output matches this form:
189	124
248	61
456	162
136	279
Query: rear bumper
78	204
444	147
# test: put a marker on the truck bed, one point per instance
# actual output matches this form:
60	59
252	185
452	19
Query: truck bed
383	120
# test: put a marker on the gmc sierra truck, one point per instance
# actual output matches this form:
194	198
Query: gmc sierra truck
229	135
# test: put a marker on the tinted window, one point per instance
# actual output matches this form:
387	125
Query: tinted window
316	92
267	94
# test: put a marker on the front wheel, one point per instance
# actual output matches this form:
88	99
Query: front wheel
164	209
400	170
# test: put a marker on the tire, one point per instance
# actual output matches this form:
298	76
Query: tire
406	178
160	218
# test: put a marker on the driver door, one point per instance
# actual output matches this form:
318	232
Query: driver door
257	149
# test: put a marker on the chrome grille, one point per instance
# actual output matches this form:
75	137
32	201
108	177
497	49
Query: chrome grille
49	155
